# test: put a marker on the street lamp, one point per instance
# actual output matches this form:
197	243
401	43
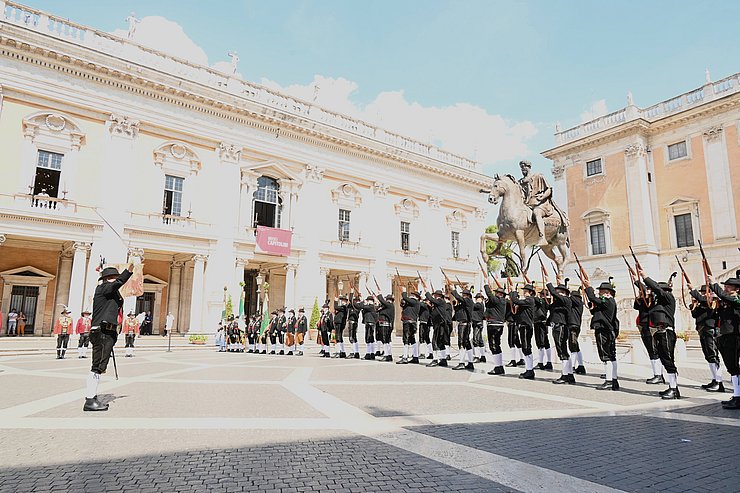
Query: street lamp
340	286
259	280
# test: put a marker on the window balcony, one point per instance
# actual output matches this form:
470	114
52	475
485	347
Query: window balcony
168	222
44	203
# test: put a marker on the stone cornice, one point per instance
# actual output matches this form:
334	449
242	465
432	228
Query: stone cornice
80	62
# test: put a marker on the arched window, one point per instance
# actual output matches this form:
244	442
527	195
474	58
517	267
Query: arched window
267	203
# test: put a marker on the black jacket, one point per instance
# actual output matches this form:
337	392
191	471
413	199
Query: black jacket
662	313
603	310
560	307
524	309
353	313
479	312
728	311
495	306
463	309
326	323
369	313
643	313
439	313
576	310
425	314
409	308
540	310
340	315
704	317
301	325
107	301
386	310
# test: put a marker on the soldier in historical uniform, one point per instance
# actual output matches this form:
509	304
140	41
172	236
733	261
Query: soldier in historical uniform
273	330
605	325
524	320
478	316
290	326
63	328
425	324
300	330
439	318
353	316
729	333
643	305
369	320
541	337
340	320
282	328
325	327
107	313
705	319
512	338
410	320
560	309
464	316
386	316
574	330
130	330
538	197
84	324
662	319
495	316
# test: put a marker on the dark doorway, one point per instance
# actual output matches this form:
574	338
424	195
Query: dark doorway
25	299
145	303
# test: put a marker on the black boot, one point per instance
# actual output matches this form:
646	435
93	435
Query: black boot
710	384
655	380
282	353
476	360
483	359
470	367
443	363
733	403
715	387
581	370
520	363
378	354
460	366
326	355
571	379
430	356
607	385
539	366
388	358
548	366
615	384
563	379
511	364
369	356
402	361
497	370
527	375
671	394
357	356
290	353
433	363
414	360
94	405
343	355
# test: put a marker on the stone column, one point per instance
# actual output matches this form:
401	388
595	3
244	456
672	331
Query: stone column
236	286
721	198
196	300
173	293
321	289
642	230
290	270
64	275
77	282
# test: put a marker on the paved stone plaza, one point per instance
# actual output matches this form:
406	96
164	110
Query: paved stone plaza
197	420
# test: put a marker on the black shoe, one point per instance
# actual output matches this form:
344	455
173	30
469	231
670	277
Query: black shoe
671	394
356	356
281	353
290	353
615	384
264	351
402	361
483	359
539	366
520	363
250	351
326	355
272	352
607	385
430	356
733	403
378	354
300	353
717	387
476	360
548	366
511	364
563	379
433	363
470	367
443	363
388	359
664	392
655	380
448	358
321	352
369	357
580	370
414	360
571	379
343	355
497	370
603	375
527	375
460	366
94	405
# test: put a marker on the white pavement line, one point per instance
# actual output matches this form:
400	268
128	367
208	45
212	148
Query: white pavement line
511	473
40	405
696	418
100	422
547	397
477	418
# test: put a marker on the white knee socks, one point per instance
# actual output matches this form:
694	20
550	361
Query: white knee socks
469	355
415	350
529	361
498	359
567	366
672	380
614	370
541	355
656	366
736	385
609	372
548	353
91	387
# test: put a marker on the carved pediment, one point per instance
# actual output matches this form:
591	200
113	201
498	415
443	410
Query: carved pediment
456	218
177	157
50	126
407	208
347	193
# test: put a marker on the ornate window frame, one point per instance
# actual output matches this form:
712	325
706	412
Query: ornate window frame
347	196
584	167
682	205
667	161
593	217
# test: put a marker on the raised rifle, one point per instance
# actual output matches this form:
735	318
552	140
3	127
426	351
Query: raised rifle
459	283
707	274
684	281
421	280
543	273
376	284
447	279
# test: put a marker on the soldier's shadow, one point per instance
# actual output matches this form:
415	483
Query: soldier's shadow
108	398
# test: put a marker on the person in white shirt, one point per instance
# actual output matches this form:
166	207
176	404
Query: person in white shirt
12	322
169	323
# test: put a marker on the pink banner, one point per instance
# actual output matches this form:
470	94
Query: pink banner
274	241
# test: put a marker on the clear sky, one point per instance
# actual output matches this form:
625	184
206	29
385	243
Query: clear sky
484	78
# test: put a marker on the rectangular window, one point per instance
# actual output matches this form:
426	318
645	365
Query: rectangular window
593	167
405	236
677	150
48	171
455	244
172	195
598	239
684	230
343	225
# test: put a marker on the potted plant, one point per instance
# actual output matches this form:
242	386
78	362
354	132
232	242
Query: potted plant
200	340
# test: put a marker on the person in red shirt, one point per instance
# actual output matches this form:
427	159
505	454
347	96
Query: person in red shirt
84	323
62	329
130	329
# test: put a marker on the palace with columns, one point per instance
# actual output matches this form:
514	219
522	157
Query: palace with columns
115	150
660	179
